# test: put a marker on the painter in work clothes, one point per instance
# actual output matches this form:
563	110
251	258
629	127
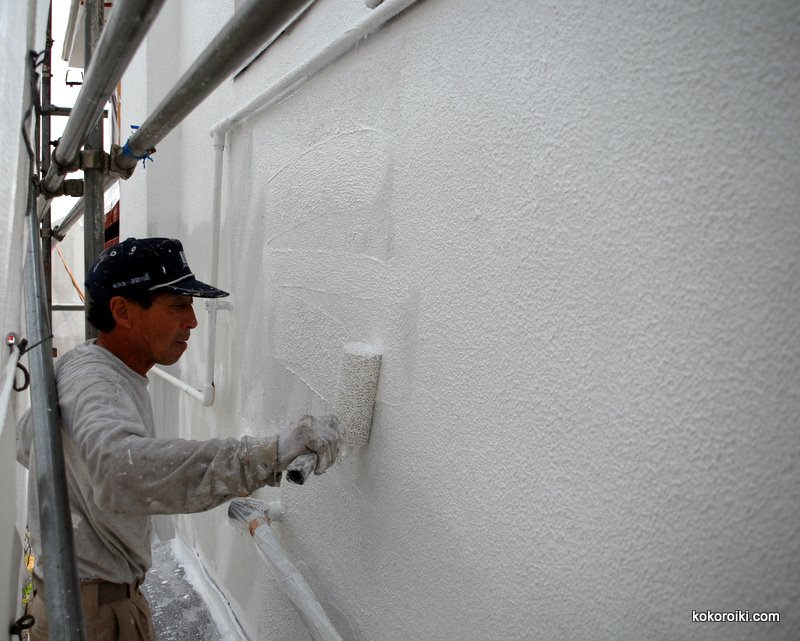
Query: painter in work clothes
118	472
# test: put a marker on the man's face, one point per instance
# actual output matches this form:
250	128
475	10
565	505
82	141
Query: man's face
162	330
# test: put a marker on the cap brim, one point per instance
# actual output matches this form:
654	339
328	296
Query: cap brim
192	287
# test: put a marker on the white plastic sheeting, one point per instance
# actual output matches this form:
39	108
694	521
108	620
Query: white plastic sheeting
6	385
23	26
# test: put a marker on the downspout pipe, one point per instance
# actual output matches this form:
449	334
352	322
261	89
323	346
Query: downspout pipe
127	26
250	26
206	393
216	221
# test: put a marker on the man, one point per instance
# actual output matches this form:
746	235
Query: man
118	472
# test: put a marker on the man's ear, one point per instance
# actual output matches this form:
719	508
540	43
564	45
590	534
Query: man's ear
121	310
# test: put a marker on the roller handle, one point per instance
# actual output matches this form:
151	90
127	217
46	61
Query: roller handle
299	469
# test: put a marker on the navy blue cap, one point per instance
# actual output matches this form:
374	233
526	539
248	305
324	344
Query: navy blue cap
139	265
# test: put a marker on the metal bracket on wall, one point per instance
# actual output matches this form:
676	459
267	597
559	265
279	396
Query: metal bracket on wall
217	304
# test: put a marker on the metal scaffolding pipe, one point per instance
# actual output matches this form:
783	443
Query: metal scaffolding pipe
74	215
67	307
253	24
93	191
64	605
329	53
46	91
127	26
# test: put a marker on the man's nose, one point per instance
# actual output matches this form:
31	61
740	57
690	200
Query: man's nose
191	319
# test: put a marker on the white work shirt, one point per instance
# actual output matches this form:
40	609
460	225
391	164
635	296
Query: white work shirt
119	473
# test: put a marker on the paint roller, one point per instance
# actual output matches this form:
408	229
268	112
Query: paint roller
355	402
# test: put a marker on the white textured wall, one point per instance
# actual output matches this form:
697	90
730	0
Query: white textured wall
573	229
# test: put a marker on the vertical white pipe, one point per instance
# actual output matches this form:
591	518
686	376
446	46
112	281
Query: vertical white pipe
216	203
206	394
216	223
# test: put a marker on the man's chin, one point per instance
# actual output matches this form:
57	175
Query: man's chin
174	356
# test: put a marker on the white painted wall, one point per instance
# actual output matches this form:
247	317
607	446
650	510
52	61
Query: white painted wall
573	229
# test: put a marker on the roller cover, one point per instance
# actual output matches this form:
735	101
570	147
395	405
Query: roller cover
358	385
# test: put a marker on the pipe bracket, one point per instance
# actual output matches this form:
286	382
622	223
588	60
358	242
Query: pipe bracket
114	166
94	159
73	187
62	168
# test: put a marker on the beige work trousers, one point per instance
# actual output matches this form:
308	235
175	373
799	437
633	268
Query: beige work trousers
124	619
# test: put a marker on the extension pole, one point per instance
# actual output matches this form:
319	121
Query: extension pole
64	605
127	26
254	517
253	24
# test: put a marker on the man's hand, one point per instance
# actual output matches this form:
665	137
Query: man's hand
310	435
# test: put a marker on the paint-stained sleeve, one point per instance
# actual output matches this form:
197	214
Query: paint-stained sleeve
132	472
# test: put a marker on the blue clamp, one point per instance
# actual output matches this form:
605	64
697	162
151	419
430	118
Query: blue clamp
127	151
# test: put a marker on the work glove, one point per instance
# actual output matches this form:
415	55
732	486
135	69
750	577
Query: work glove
320	435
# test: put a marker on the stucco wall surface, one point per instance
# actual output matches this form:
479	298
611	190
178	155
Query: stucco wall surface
572	228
